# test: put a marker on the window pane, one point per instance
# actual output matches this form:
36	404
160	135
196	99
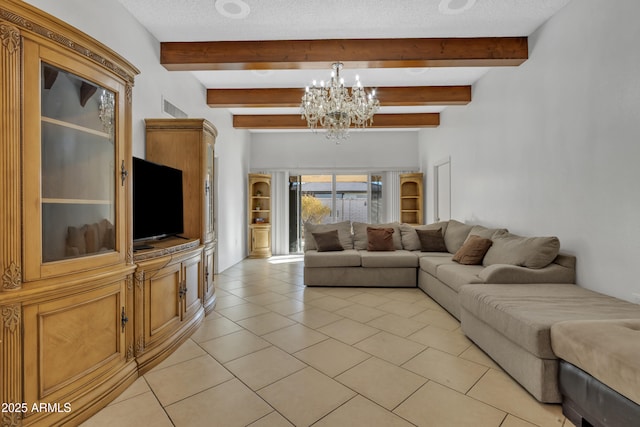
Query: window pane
351	198
376	199
316	199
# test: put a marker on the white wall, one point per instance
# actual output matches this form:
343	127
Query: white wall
552	147
108	22
363	150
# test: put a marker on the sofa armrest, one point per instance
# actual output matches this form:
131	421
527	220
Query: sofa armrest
506	273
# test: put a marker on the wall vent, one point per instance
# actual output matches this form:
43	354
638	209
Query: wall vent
172	110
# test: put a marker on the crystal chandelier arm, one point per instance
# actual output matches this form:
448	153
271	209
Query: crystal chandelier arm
335	108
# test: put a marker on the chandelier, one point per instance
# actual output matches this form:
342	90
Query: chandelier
335	108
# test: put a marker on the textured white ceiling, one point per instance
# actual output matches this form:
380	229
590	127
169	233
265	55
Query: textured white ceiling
189	20
199	20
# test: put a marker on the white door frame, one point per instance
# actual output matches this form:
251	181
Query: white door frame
436	188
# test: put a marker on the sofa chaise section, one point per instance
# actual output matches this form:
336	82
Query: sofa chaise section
510	259
512	324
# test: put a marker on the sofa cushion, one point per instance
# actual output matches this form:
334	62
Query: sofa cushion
455	275
399	258
431	240
344	232
327	241
361	240
487	233
430	263
524	313
409	236
346	258
473	250
531	252
455	235
607	349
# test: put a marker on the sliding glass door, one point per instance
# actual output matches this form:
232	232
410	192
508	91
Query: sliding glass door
324	199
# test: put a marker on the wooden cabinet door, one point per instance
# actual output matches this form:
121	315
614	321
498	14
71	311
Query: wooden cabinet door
261	241
208	282
191	285
73	342
162	311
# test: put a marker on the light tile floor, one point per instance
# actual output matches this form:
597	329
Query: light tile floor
274	353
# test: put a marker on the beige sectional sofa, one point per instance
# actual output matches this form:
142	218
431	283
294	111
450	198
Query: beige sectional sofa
517	304
434	272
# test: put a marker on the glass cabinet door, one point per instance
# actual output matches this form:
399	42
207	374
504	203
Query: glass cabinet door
74	149
78	166
208	200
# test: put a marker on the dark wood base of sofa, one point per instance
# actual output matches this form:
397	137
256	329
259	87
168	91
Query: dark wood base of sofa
587	402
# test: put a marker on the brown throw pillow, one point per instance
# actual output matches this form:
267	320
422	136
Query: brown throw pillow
380	239
473	250
431	240
328	241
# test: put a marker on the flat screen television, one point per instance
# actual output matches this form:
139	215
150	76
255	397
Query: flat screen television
157	200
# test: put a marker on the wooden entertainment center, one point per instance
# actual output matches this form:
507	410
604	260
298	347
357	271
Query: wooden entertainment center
82	315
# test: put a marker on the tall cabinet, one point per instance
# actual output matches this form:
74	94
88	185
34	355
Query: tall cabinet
188	145
411	198
259	218
65	221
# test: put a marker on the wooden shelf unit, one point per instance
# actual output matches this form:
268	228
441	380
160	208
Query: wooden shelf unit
259	218
189	145
66	261
411	198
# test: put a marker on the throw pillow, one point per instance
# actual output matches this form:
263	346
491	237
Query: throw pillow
328	241
431	240
361	240
380	239
472	251
344	232
409	237
531	252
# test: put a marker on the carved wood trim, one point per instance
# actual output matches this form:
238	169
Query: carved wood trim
11	317
12	419
11	360
129	93
60	39
12	277
140	346
10	37
10	177
139	275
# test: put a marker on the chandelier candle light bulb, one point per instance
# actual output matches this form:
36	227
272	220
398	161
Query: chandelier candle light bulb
335	108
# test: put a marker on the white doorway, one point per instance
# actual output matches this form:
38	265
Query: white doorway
442	190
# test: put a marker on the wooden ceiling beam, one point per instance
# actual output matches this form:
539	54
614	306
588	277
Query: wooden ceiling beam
293	121
388	96
354	53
